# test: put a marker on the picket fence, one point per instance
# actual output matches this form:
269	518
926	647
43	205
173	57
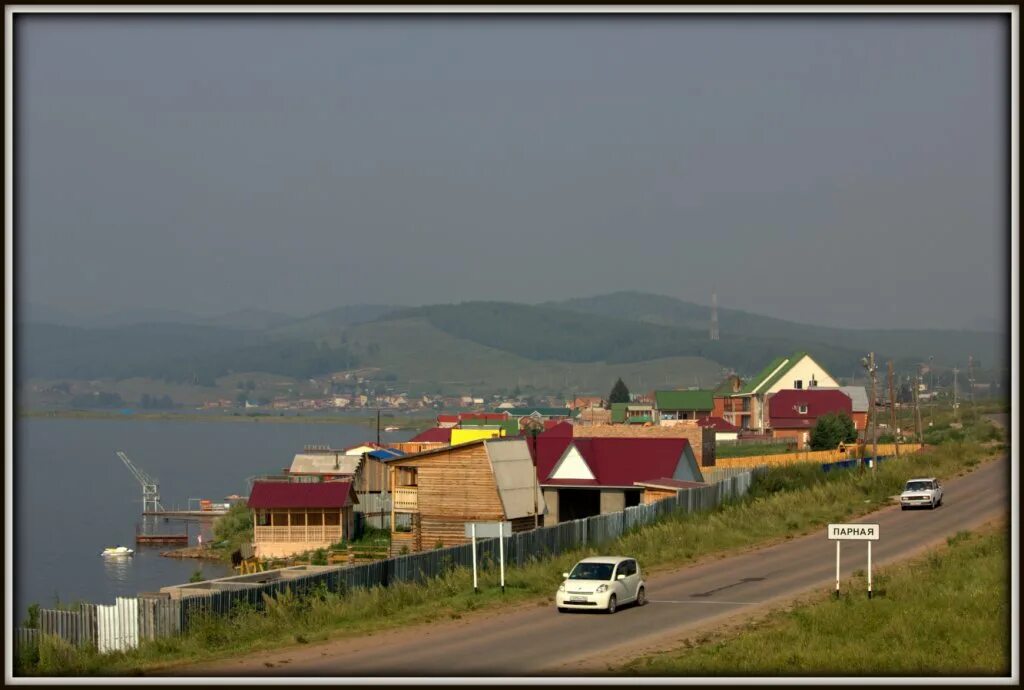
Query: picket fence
121	626
854	452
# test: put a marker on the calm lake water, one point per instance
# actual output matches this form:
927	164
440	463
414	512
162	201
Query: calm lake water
73	496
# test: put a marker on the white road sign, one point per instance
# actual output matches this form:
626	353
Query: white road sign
853	531
486	530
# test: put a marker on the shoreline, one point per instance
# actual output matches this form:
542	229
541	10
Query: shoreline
406	424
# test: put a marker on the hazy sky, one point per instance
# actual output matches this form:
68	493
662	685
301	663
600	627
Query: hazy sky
840	170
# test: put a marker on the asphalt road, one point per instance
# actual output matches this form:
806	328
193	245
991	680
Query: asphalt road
535	640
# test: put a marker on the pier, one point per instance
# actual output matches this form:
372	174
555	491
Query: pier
185	514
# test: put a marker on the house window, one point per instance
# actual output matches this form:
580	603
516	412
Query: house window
802	409
798	384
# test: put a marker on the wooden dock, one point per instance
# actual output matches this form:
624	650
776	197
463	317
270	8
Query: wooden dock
161	539
185	514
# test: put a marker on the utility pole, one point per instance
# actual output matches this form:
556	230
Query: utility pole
970	379
869	364
892	411
956	398
917	407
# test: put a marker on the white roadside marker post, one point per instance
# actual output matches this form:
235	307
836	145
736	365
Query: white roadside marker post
869	570
501	554
837	567
475	590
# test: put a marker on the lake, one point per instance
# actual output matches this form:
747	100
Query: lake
73	496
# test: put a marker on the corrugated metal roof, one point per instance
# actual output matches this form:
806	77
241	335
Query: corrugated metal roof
513	472
385	454
300	495
783	406
324	463
440	433
685	400
618	461
858	396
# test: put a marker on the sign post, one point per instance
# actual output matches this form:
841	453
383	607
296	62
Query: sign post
488	530
853	532
472	528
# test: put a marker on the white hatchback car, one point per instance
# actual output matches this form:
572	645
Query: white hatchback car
602	583
922	492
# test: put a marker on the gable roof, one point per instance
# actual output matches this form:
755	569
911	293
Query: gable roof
782	406
300	495
684	400
619	462
385	453
775	368
717	423
439	433
858	396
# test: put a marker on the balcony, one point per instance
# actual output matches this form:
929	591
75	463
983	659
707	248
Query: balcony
299	533
405	500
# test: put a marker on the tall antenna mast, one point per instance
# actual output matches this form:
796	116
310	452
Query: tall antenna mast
714	316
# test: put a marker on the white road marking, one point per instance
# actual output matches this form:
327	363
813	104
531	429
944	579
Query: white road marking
669	601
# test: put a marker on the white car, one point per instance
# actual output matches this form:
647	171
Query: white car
921	492
602	583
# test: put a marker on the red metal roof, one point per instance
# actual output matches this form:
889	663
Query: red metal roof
671	483
499	416
300	495
439	433
783	407
447	418
615	461
716	423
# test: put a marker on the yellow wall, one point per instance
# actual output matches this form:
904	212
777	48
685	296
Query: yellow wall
822	456
467	435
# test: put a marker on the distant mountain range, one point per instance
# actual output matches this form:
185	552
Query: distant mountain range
571	345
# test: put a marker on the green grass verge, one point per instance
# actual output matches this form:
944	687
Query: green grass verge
787	501
946	614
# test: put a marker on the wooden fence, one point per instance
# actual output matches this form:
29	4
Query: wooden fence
820	456
149	617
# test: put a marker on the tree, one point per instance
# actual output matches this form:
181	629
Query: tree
619	394
831	430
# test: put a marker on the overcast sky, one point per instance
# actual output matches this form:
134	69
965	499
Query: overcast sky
844	171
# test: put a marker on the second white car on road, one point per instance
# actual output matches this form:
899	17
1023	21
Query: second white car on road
602	583
920	493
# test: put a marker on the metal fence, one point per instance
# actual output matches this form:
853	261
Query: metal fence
148	617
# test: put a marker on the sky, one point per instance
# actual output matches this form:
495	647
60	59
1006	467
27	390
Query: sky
843	170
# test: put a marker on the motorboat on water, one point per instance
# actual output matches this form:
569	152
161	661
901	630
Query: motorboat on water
117	551
391	428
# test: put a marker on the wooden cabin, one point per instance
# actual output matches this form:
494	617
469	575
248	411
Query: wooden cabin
293	517
436	492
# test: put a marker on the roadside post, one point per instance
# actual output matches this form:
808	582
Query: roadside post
853	532
487	530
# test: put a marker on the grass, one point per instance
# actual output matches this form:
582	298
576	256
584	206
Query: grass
945	614
787	501
746	450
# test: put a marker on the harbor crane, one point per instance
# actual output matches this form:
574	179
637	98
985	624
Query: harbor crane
150	486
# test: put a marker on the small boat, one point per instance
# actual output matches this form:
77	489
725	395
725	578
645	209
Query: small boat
117	551
391	428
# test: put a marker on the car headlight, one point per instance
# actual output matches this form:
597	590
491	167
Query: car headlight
601	589
561	587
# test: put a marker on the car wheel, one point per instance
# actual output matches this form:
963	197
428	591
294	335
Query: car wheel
641	597
611	604
940	500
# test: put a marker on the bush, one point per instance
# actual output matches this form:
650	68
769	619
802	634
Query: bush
831	430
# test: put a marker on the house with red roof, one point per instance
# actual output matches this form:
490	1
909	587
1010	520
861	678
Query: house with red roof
293	517
581	477
724	431
793	413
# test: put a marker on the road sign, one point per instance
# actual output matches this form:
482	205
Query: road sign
485	530
856	532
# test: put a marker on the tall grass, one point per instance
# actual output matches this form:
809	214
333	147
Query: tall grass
944	614
785	501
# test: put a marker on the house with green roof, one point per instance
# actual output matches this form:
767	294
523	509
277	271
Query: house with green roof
687	404
632	413
797	371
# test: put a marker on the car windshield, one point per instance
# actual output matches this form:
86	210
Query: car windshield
592	571
918	486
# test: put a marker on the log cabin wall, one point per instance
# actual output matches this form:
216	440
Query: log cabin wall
454	487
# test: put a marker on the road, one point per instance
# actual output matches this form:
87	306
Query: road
538	641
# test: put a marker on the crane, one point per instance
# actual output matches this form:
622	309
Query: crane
150	486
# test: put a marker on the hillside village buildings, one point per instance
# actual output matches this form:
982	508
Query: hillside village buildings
540	465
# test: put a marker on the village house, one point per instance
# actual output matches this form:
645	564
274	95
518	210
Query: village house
292	517
724	431
632	413
581	477
673	406
795	412
859	399
436	492
797	372
725	405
